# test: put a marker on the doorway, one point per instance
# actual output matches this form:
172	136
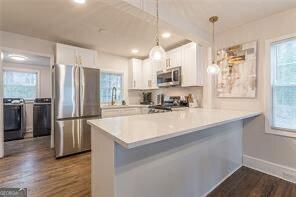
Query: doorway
27	94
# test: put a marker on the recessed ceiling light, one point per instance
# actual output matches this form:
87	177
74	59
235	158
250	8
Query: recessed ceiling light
166	35
134	51
79	1
17	57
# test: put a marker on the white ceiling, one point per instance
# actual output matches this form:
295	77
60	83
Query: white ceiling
34	60
113	25
99	24
232	13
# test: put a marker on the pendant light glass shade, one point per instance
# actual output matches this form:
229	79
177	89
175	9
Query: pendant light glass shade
213	69
157	54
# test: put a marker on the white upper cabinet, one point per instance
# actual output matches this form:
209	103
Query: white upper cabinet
71	55
66	55
149	74
143	73
174	58
135	74
192	66
87	57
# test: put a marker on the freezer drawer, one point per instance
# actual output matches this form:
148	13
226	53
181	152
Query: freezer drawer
67	134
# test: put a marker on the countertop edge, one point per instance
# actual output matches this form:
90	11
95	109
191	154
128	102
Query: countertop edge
131	145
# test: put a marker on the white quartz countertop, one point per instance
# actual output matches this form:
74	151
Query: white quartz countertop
138	130
122	106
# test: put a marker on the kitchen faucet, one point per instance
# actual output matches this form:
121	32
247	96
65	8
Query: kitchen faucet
113	94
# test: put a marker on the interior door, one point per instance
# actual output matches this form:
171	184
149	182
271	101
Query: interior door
67	137
89	92
66	91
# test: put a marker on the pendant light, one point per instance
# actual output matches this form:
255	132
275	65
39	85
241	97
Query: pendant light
213	68
157	53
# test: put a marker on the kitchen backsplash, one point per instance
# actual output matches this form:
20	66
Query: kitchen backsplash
135	97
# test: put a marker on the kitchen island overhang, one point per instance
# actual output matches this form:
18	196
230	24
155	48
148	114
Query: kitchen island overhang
183	153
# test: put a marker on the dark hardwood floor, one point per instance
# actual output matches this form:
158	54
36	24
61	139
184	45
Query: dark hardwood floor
30	163
246	182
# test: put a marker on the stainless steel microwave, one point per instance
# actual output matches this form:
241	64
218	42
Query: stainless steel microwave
172	77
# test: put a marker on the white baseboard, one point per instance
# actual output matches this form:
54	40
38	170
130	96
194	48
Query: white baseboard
228	175
280	171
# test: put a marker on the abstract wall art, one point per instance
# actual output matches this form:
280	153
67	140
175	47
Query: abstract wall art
238	71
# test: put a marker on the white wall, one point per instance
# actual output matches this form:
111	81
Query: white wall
272	148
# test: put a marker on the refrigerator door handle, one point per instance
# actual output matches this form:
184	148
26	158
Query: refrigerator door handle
77	88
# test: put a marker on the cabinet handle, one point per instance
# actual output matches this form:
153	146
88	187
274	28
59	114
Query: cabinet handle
134	84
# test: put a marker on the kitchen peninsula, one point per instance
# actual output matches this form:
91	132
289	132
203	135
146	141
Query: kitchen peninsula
182	153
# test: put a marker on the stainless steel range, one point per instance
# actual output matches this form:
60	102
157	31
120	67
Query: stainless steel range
171	103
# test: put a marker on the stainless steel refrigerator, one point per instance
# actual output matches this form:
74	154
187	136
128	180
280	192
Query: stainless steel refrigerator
76	99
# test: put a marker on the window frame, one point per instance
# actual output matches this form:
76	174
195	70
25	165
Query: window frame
269	128
28	71
122	82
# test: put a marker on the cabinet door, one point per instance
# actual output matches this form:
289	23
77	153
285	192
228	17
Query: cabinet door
135	74
107	113
66	54
147	74
130	111
174	58
192	66
189	65
87	57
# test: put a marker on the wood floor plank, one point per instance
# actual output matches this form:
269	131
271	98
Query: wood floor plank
247	182
30	163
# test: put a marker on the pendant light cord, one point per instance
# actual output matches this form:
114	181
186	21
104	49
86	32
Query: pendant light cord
213	51
157	24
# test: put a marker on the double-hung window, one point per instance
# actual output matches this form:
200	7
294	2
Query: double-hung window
20	84
108	81
283	84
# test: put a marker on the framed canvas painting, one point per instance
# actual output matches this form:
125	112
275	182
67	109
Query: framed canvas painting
238	71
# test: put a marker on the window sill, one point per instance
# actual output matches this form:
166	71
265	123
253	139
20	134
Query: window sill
280	132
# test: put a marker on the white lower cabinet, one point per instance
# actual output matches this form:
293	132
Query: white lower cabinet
107	113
